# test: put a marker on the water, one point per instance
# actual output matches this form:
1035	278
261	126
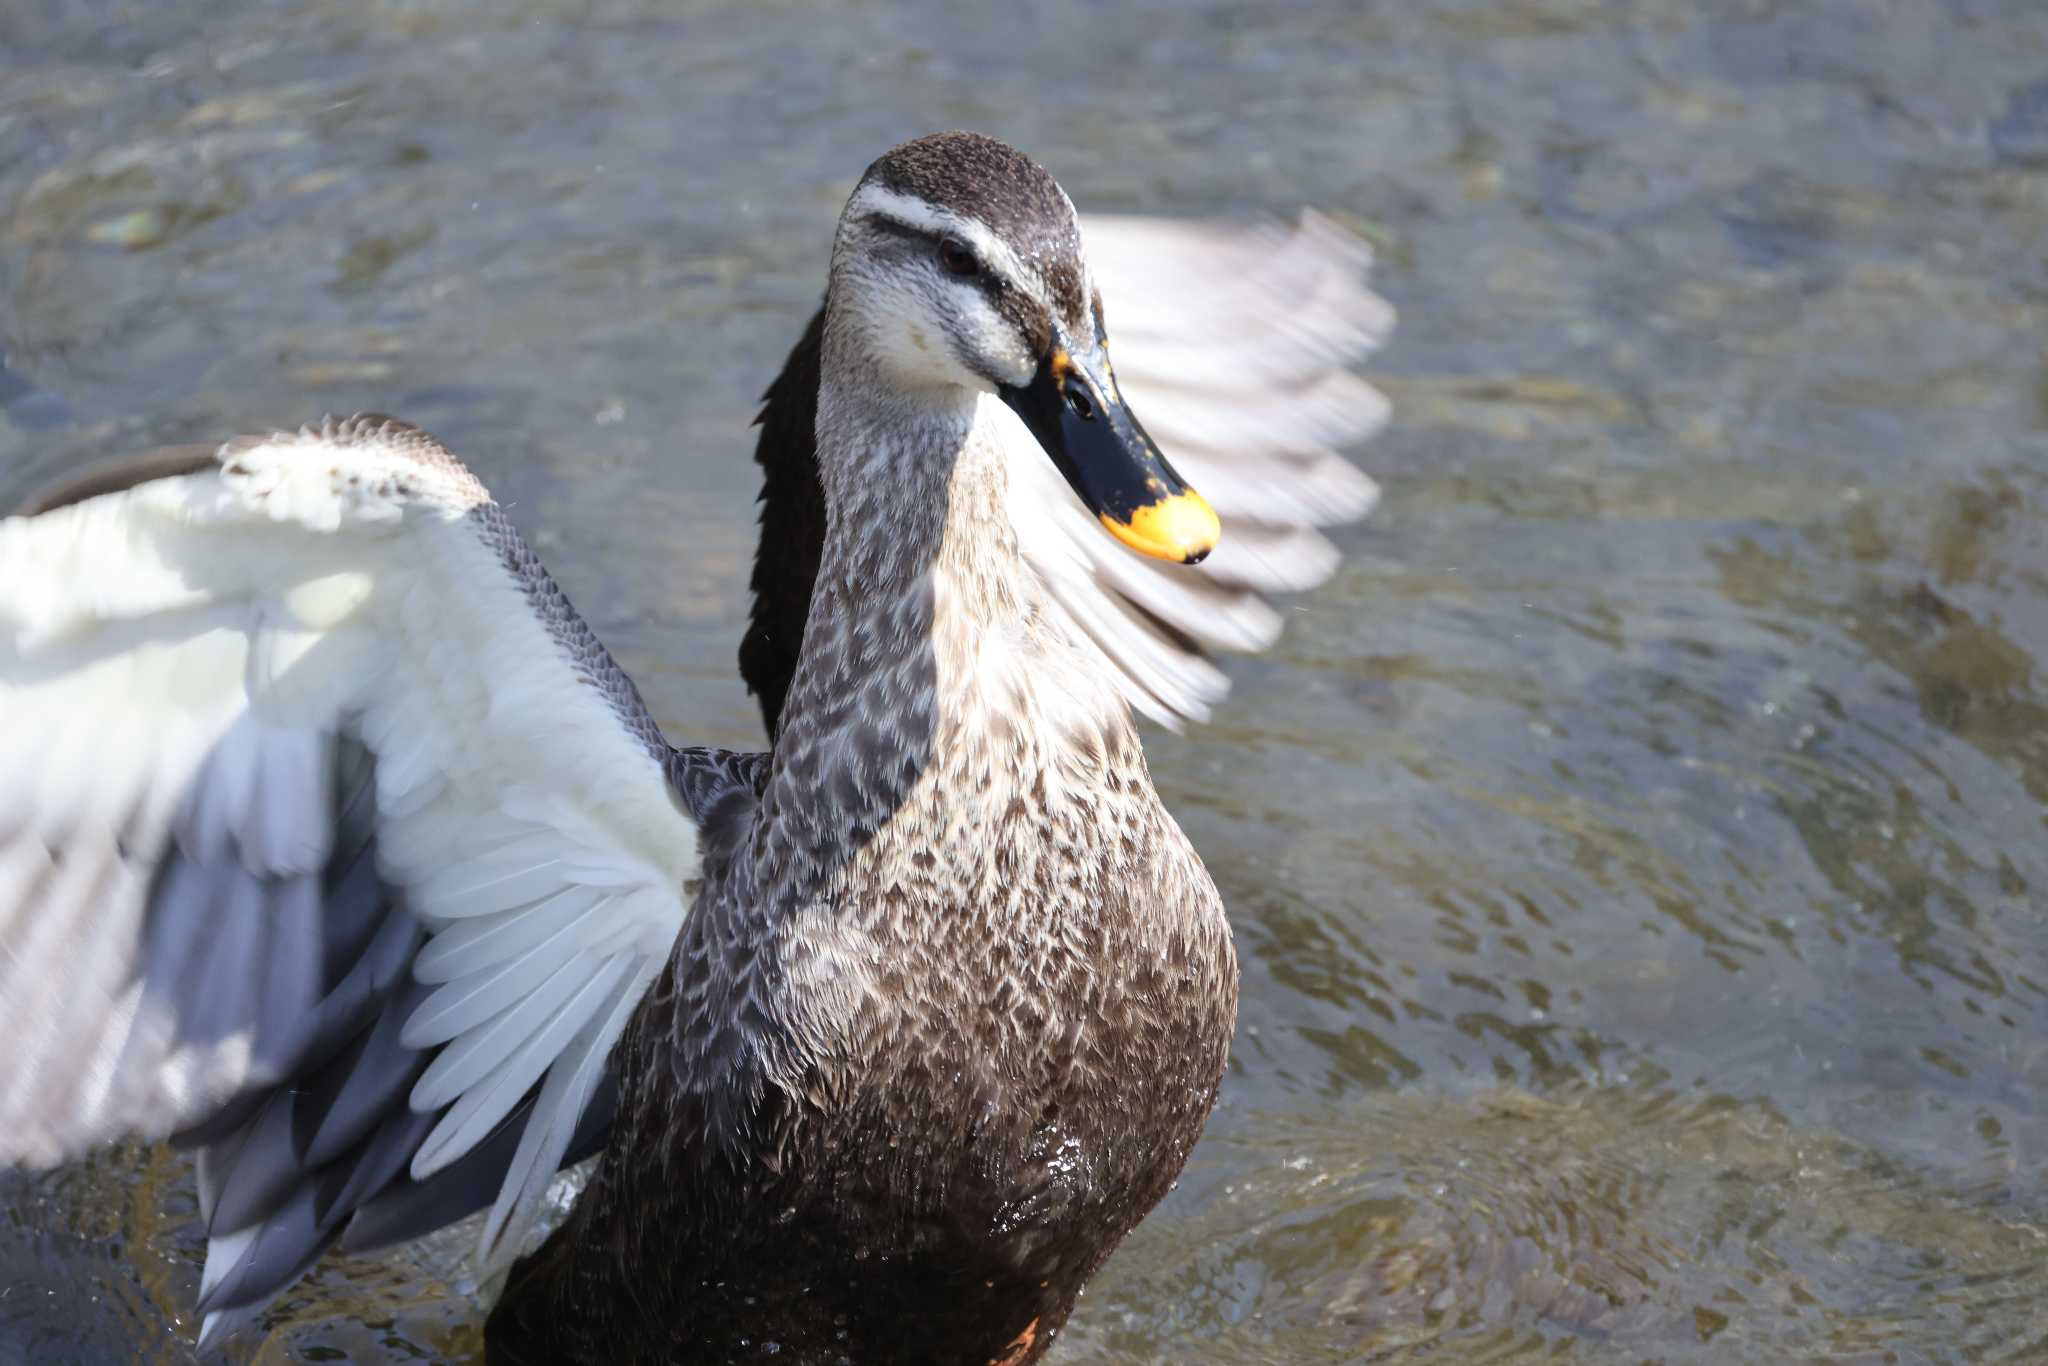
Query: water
1636	852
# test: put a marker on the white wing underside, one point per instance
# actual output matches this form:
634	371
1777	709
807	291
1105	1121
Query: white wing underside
1231	344
191	672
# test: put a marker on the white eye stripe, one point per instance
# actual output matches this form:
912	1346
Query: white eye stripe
924	216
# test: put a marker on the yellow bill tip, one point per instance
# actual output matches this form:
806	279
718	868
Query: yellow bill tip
1181	527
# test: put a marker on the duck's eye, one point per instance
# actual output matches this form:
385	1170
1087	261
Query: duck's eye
958	258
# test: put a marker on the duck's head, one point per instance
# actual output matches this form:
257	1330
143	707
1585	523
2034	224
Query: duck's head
959	265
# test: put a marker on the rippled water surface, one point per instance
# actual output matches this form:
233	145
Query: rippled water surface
1636	852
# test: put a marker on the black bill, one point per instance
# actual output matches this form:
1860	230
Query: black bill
1072	406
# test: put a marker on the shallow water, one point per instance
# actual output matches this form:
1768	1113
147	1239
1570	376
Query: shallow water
1636	852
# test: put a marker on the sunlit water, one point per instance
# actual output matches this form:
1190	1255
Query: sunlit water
1636	853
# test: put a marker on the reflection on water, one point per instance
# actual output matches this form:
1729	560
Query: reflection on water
1636	852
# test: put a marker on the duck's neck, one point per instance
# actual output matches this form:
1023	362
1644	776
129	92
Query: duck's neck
919	563
915	486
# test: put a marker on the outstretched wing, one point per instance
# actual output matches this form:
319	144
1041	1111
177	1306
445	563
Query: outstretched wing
329	836
1233	344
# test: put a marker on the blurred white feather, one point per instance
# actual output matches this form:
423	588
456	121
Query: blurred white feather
1233	344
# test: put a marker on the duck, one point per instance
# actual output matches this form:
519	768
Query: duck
335	848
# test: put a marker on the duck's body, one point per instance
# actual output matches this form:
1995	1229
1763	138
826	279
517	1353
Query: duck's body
916	1015
930	1046
956	994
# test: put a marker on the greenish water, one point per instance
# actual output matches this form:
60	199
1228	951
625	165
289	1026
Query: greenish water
1637	852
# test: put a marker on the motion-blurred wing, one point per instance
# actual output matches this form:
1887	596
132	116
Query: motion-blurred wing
1231	344
329	836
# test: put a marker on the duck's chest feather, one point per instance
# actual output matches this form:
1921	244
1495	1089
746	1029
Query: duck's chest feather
907	1115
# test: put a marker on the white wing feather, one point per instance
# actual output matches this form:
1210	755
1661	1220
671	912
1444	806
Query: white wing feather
176	661
1231	344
